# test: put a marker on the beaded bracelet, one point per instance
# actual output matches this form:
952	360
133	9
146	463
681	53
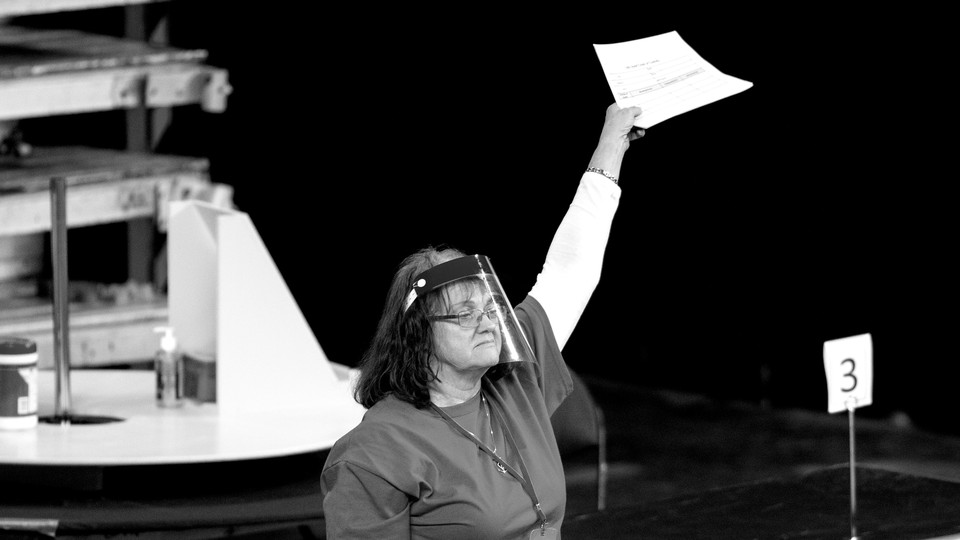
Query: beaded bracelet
604	173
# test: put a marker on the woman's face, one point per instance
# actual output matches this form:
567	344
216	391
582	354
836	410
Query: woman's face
466	349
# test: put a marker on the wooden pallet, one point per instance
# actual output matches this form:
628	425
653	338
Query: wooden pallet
99	335
13	8
103	186
29	52
56	72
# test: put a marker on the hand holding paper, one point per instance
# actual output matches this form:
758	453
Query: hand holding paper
664	76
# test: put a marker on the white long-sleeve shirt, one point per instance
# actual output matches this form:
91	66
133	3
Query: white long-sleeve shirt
574	260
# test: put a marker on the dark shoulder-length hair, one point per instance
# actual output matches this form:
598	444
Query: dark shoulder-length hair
398	359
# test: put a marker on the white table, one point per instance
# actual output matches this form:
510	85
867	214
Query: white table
148	435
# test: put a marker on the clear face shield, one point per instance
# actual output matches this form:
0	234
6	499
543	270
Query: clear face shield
471	296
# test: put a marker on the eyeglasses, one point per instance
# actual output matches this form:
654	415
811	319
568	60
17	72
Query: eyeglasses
469	318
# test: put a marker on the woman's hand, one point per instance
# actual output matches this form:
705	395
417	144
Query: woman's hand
619	124
615	137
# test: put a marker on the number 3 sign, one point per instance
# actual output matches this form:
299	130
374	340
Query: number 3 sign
849	366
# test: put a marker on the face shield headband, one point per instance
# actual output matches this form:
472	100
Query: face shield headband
478	269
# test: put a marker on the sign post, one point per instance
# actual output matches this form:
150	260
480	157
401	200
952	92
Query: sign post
848	363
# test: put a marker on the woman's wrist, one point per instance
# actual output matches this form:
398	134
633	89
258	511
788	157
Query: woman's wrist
608	156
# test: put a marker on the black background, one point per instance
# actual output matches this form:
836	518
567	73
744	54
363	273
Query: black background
810	207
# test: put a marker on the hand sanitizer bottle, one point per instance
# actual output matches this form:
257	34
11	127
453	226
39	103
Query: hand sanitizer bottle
168	364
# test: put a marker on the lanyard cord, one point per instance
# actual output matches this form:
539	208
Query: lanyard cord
523	478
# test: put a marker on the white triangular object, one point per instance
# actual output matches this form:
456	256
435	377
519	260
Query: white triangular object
267	357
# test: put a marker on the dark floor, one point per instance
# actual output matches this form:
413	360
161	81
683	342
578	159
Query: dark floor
665	444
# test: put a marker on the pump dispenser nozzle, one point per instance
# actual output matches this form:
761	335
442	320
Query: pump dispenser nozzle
167	342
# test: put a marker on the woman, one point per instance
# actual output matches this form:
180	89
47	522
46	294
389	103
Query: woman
460	385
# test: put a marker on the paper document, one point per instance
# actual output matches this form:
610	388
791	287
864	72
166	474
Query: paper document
664	76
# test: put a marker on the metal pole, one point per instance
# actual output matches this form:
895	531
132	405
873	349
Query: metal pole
61	300
853	479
